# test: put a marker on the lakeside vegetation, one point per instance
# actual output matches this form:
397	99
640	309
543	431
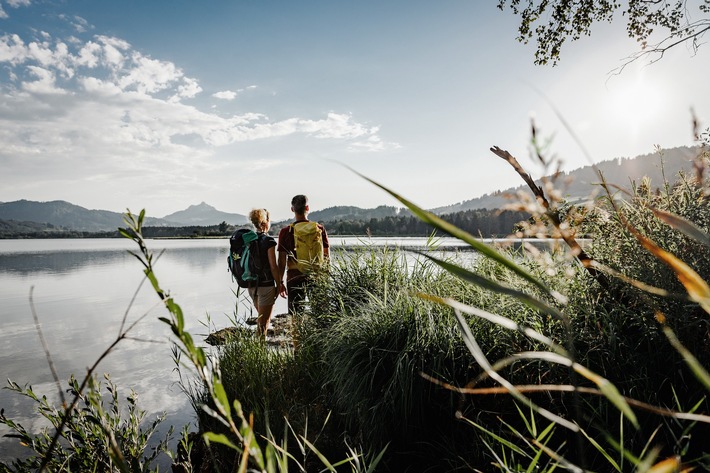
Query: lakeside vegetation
389	370
515	361
483	222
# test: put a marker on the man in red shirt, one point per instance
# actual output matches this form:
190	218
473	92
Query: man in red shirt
296	279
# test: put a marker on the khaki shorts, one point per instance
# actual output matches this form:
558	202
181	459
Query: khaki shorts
263	295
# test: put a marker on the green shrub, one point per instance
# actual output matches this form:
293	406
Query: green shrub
96	434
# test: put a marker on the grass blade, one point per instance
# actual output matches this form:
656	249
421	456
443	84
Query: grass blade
485	283
697	288
498	438
498	320
466	237
601	450
685	226
698	370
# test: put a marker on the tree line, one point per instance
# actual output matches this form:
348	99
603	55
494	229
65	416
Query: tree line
478	222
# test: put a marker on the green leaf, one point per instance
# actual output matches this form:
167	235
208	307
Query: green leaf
124	233
153	280
253	446
176	310
211	437
220	396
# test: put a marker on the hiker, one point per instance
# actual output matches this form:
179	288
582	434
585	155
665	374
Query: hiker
266	290
303	247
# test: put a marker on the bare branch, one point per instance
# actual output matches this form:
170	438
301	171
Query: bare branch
47	354
577	250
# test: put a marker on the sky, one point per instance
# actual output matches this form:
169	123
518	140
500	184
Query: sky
160	105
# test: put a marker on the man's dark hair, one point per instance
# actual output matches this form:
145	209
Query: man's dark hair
299	203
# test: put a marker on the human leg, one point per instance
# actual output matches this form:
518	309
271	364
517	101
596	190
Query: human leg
263	319
296	295
264	298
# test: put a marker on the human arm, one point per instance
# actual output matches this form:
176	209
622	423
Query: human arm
326	244
281	270
276	271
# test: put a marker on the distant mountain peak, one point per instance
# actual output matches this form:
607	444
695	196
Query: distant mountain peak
205	214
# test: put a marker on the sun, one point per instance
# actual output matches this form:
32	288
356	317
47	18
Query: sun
634	100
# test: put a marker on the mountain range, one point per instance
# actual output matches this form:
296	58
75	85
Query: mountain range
65	215
579	184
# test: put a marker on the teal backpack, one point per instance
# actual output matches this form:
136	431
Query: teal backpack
244	260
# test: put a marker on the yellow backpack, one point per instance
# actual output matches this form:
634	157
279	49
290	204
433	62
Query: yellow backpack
308	239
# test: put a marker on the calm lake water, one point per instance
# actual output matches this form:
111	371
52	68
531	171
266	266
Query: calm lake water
82	289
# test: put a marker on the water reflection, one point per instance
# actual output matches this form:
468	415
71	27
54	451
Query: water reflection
57	263
81	298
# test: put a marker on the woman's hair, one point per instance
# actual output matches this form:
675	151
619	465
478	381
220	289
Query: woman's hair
259	217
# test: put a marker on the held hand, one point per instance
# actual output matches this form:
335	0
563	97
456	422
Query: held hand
282	290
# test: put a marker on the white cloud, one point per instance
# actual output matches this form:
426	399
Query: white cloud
45	83
231	94
79	24
12	49
225	95
112	48
149	75
18	3
13	4
337	126
89	55
41	52
99	111
187	90
374	143
100	87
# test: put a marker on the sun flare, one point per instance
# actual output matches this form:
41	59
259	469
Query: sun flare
634	100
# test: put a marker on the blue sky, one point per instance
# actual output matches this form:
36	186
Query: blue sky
242	104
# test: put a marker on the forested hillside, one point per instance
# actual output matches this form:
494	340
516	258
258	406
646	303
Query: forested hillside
580	183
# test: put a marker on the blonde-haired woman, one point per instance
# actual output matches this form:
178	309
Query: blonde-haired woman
264	295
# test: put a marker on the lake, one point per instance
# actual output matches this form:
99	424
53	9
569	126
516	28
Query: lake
82	289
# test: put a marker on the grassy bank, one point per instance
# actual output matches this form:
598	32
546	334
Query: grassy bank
383	364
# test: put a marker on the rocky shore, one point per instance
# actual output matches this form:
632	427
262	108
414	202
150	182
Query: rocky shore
278	334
